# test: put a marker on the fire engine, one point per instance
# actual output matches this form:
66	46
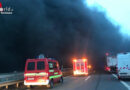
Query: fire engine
80	67
42	71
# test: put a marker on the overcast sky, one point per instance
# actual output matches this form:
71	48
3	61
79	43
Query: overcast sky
118	11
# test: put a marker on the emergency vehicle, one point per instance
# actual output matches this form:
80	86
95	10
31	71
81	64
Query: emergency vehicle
42	72
80	67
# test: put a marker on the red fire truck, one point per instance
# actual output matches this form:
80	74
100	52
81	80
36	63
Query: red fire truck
42	72
80	67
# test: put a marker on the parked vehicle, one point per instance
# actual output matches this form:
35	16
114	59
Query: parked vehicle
123	65
42	72
111	63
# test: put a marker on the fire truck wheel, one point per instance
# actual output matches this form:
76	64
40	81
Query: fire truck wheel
61	80
51	84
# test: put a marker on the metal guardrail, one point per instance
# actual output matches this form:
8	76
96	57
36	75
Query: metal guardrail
13	78
11	83
16	78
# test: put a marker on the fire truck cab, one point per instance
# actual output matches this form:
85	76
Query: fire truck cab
80	67
42	72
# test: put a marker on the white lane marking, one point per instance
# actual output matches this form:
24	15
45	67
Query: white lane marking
114	75
87	78
124	83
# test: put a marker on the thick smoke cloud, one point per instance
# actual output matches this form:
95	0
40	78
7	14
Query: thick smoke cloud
57	28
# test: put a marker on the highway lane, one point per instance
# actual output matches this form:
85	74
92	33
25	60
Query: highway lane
92	82
125	82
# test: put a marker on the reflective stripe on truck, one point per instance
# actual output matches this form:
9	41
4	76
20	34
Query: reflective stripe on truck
55	76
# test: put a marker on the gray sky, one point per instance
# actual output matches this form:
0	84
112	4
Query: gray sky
117	11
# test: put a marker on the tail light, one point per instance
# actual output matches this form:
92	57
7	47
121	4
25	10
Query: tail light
84	60
108	68
89	66
75	60
46	74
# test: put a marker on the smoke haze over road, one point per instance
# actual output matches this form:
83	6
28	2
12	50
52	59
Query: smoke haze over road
57	28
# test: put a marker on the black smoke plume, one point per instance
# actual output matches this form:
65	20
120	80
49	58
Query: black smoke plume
62	29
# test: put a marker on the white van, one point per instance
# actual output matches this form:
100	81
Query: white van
123	65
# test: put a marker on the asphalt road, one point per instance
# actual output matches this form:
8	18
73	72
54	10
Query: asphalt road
98	81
